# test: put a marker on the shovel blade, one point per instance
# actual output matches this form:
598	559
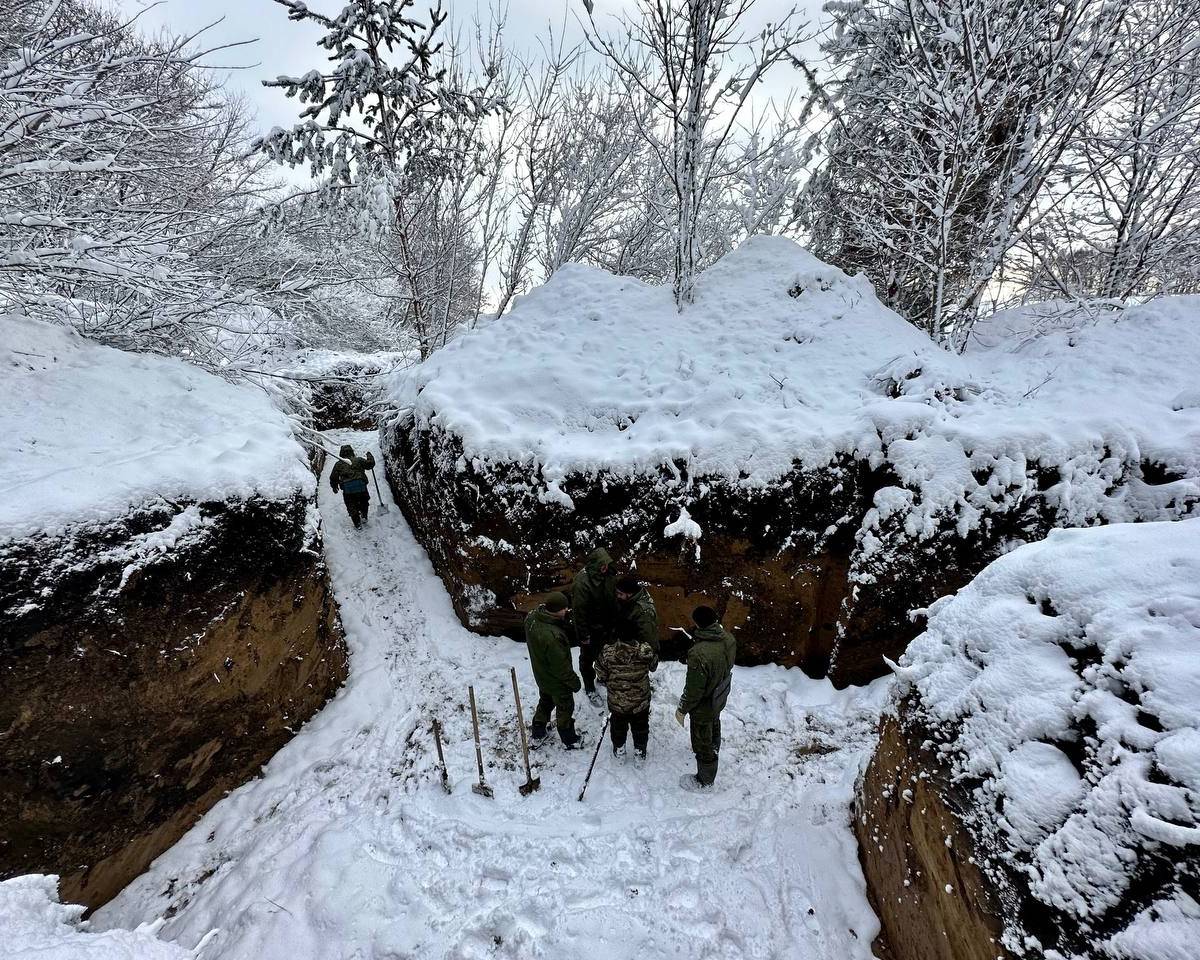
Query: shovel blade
528	788
482	789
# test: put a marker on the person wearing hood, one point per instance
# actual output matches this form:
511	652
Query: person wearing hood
593	610
349	475
550	657
705	692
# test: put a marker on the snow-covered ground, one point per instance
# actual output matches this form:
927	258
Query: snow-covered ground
91	432
348	848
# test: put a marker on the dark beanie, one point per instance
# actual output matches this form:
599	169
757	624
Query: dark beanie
704	616
629	584
555	601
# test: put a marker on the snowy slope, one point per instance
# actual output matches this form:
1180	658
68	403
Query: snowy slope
785	360
91	431
1066	681
34	925
348	848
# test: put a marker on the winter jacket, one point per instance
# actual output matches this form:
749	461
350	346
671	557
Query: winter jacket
594	599
637	620
625	668
550	654
709	672
350	473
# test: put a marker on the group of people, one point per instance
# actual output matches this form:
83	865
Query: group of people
615	625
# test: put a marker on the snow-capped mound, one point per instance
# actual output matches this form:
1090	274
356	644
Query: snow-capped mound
1063	686
34	924
91	432
590	372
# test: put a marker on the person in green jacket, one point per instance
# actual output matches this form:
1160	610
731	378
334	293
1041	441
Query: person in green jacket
705	692
593	611
637	619
550	656
349	475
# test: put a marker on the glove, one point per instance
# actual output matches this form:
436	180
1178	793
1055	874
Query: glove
679	715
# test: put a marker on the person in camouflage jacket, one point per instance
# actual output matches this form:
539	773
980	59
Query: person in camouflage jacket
550	657
349	475
624	667
593	611
705	692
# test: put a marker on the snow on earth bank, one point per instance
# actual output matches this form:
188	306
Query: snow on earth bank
92	432
1062	688
784	361
348	848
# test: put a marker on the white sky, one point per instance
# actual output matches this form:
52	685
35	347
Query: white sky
282	47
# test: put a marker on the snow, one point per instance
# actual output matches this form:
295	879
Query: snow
348	848
1086	645
91	431
785	361
34	925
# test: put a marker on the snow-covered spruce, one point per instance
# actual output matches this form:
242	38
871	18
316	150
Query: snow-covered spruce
165	613
1056	701
799	423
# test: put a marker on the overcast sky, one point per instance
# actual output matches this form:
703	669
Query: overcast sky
282	47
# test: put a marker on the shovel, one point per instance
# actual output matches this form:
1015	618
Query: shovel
531	782
437	739
383	508
481	787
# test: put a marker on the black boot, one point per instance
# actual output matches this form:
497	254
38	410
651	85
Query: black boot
570	739
537	732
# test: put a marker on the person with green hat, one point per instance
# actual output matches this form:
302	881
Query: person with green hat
550	656
705	692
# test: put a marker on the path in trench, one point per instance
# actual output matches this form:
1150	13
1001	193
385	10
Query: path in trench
348	848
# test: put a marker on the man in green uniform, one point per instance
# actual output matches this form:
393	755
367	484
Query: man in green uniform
593	610
709	676
349	475
637	620
550	656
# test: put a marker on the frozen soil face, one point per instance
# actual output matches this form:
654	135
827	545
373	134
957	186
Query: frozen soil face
347	846
1048	724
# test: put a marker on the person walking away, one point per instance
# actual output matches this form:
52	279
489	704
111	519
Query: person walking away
705	692
550	656
637	619
593	611
349	475
624	667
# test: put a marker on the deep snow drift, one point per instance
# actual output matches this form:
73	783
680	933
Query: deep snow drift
1063	686
348	848
91	432
785	361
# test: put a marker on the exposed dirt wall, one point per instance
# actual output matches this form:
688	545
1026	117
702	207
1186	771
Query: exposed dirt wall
143	678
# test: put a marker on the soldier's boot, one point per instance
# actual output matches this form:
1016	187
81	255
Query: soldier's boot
597	700
570	739
689	782
706	771
619	752
639	757
538	732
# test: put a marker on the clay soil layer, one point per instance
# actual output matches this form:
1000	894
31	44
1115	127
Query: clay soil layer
133	698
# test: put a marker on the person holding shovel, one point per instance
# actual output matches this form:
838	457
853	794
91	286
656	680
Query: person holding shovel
349	475
709	677
557	682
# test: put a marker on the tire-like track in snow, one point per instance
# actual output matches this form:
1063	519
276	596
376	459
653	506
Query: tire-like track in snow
347	847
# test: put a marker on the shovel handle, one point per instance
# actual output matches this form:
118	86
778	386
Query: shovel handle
475	727
521	723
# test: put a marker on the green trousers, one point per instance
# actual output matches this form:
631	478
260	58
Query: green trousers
563	708
706	744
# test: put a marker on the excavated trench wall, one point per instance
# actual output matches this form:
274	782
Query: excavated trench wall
782	564
148	667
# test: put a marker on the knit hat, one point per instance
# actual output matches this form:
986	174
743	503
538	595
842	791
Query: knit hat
629	584
704	616
555	601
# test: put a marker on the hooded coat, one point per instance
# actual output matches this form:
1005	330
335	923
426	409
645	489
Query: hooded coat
550	654
349	474
594	599
637	620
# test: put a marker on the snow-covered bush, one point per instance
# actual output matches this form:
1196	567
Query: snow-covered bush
1062	689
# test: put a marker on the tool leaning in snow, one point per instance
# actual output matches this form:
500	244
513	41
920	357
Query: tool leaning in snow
531	782
437	739
481	787
599	744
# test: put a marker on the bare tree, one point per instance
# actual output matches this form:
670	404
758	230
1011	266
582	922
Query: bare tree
693	64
